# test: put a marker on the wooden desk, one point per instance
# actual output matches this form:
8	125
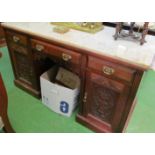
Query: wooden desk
108	84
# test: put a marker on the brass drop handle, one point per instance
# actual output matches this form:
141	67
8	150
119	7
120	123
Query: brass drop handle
85	97
16	39
108	70
39	47
66	57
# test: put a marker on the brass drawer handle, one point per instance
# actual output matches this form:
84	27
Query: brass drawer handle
108	70
66	57
16	39
39	47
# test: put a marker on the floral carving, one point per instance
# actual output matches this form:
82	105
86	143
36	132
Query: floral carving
25	70
104	101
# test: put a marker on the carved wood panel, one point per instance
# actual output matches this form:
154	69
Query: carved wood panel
103	102
106	99
24	68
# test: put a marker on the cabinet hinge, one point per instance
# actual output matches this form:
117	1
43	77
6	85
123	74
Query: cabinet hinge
85	97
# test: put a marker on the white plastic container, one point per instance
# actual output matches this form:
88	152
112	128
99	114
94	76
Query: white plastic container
58	98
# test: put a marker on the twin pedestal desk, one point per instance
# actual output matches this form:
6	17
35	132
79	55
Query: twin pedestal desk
108	83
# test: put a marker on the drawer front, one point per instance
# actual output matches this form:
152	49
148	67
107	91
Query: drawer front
105	100
17	38
64	54
111	69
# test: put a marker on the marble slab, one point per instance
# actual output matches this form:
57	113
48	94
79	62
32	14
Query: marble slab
101	42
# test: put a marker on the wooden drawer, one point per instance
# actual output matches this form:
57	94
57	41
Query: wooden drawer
59	52
111	69
16	38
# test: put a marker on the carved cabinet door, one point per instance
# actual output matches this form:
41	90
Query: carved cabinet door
104	102
23	66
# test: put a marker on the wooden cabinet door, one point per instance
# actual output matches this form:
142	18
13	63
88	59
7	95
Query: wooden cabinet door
23	67
104	102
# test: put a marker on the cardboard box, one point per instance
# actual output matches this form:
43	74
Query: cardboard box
58	98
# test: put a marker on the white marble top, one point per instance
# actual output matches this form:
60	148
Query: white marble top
102	42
